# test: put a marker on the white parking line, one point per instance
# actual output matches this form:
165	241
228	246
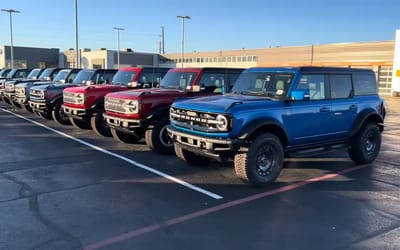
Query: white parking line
132	162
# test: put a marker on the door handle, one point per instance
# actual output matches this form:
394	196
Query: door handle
353	106
324	110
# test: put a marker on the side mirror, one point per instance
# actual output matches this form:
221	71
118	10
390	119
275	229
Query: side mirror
300	95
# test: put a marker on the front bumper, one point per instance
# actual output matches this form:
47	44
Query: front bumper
21	100
78	113
125	125
211	147
39	106
9	96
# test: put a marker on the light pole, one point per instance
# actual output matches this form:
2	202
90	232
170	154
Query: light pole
76	35
10	11
183	36
118	30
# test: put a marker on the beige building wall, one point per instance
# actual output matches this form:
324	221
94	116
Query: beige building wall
377	56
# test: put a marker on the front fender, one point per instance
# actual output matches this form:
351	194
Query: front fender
264	124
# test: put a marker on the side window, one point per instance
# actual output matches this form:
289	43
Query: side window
315	83
146	78
20	74
98	78
232	77
341	86
108	76
364	83
71	77
211	82
55	72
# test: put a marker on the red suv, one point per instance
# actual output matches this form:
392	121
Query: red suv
84	105
137	113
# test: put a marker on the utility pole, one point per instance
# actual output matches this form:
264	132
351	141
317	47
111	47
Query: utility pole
77	59
10	12
183	36
118	30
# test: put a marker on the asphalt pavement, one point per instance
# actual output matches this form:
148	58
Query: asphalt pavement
65	188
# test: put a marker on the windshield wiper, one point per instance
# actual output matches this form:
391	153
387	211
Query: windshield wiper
257	93
169	87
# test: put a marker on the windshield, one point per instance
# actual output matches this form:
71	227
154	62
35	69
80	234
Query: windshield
45	74
271	84
4	72
123	78
178	80
11	73
83	76
34	74
62	75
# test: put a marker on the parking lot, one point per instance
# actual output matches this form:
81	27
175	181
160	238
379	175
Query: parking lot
64	188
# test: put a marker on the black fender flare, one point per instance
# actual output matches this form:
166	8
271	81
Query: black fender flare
368	114
261	123
56	99
160	111
98	105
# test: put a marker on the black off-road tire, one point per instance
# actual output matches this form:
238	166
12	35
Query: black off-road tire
79	123
157	138
365	145
190	157
46	116
59	116
261	162
15	104
99	125
123	137
27	108
36	113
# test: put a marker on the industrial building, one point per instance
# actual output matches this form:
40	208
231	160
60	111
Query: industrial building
28	57
380	56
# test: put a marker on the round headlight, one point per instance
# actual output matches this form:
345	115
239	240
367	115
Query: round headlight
222	122
80	98
132	106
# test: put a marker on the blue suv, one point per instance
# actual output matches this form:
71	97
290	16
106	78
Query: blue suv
276	112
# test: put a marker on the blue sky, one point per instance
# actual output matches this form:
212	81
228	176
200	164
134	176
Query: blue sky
215	24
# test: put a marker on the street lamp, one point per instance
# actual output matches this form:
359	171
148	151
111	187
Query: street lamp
10	11
118	30
183	36
76	35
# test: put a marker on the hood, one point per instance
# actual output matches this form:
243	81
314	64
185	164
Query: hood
146	93
97	88
52	86
221	104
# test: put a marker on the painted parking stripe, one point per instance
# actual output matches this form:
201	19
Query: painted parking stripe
123	158
207	211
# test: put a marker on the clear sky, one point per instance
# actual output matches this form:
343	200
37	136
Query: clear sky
215	24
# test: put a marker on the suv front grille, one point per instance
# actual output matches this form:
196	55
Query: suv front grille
19	91
10	87
194	120
115	105
37	95
69	97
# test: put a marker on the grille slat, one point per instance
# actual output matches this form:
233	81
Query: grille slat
37	95
69	97
194	120
115	105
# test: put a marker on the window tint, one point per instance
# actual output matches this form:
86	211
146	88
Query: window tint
108	76
211	82
147	78
340	86
316	85
364	83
